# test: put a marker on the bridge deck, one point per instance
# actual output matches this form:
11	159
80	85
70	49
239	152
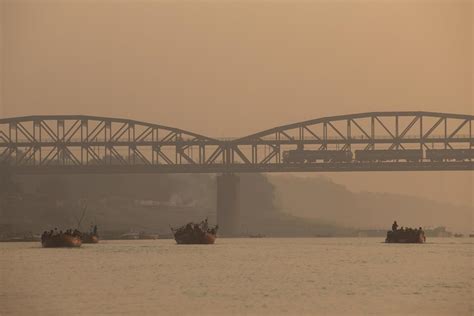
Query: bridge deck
221	168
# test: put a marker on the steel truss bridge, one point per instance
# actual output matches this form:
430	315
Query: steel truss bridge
90	144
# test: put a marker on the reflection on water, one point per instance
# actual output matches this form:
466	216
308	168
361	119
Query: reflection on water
240	276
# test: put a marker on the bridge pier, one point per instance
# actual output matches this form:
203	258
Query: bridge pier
228	204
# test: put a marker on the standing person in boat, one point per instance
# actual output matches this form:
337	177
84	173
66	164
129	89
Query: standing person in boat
204	225
394	226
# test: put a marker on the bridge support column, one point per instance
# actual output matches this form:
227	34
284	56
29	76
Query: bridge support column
228	204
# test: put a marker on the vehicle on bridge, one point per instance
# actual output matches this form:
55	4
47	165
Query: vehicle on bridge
449	154
309	156
410	155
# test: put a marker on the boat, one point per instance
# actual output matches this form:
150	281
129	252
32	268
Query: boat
192	233
92	237
25	238
145	236
414	236
88	238
60	241
139	236
129	236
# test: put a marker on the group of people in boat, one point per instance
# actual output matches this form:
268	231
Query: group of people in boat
59	234
405	229
405	234
193	233
194	228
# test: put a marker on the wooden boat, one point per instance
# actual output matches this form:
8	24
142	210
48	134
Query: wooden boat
61	241
195	234
89	239
412	236
203	239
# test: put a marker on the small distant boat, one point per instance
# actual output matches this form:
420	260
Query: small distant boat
139	235
60	241
458	235
192	233
129	236
146	236
257	236
21	238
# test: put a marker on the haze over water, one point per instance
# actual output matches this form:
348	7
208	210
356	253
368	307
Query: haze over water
298	276
226	69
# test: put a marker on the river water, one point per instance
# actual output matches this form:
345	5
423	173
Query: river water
252	276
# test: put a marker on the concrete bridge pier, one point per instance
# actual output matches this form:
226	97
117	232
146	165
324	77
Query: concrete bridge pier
228	204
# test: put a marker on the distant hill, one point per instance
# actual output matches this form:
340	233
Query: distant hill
322	199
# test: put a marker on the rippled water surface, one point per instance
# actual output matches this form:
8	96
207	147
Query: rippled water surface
334	276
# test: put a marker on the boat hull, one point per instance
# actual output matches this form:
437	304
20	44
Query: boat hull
62	242
405	237
90	239
205	239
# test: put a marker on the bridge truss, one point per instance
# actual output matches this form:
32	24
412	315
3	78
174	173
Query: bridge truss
85	144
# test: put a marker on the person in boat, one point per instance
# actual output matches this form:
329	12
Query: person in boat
204	225
213	230
189	227
394	226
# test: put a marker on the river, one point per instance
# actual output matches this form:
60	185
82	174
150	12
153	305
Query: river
251	276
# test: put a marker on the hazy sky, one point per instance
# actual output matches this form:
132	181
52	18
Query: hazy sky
225	68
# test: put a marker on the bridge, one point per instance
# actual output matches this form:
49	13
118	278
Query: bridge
89	144
375	141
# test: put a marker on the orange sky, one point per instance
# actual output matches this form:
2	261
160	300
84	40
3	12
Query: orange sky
234	68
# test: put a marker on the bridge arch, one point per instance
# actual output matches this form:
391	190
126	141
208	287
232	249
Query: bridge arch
65	119
75	140
361	131
376	118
